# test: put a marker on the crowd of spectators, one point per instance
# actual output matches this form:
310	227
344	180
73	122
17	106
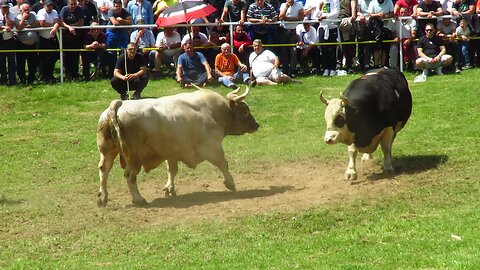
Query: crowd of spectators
162	48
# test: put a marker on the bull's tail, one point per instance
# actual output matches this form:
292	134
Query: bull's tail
112	115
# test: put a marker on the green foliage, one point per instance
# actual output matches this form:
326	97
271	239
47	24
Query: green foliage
48	172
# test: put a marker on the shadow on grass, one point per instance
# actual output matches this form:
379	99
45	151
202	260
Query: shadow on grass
206	197
6	202
412	165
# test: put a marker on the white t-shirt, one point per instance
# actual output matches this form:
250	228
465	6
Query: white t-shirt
307	37
330	9
262	64
447	29
407	27
107	3
11	16
203	38
315	4
386	7
162	39
291	12
42	15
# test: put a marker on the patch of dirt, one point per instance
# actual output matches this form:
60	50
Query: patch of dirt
283	188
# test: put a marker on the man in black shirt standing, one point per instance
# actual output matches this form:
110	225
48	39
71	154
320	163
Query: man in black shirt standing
431	52
131	75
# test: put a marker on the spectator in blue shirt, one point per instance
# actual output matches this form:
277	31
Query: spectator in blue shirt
192	67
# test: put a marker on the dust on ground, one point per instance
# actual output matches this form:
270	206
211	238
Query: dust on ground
286	187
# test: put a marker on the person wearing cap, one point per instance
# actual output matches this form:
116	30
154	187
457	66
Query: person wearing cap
27	40
40	5
70	16
7	59
48	17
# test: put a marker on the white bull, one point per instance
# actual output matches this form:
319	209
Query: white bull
187	127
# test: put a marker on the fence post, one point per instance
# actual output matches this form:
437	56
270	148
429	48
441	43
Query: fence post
231	37
60	42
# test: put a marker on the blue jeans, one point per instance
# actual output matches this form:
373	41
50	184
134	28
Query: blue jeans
236	78
464	56
196	78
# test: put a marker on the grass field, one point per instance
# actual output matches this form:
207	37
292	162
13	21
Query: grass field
426	217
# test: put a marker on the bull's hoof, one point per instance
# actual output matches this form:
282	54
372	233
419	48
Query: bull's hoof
389	171
102	201
140	202
169	192
350	175
230	186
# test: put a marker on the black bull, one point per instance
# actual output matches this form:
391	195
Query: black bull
371	111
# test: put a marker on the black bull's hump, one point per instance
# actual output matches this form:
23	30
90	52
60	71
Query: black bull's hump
375	101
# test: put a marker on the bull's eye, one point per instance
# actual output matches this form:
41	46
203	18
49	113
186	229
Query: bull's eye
339	121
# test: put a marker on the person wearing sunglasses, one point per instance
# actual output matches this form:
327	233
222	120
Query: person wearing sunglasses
432	54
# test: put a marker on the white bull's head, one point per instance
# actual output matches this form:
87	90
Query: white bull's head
243	120
336	120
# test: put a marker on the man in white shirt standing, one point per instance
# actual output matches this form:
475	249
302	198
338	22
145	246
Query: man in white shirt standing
103	7
48	17
289	11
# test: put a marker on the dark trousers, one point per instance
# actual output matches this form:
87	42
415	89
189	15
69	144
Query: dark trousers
329	52
72	59
313	55
98	57
137	84
7	62
48	59
348	50
288	55
29	58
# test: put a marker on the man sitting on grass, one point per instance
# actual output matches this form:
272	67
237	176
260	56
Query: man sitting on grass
192	67
264	66
229	68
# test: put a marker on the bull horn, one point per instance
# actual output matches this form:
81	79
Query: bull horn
324	100
242	96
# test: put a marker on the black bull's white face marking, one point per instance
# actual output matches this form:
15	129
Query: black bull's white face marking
336	121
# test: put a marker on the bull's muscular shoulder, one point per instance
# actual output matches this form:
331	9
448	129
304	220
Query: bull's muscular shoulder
376	101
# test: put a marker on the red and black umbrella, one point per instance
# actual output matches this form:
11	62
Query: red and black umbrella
184	12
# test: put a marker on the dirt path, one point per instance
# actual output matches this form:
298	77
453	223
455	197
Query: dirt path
285	187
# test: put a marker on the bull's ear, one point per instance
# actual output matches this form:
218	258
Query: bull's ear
324	100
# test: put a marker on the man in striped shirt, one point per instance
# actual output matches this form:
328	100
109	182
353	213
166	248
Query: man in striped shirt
262	12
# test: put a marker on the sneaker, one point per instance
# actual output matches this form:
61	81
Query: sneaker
233	86
457	70
333	73
425	72
467	66
314	71
137	95
439	71
124	96
252	83
326	72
